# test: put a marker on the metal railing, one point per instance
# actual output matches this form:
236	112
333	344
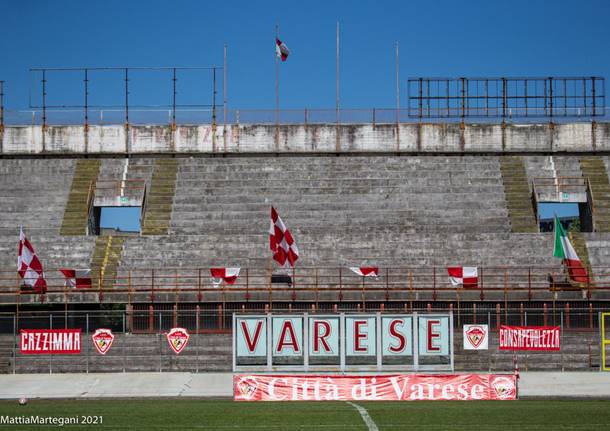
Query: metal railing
201	319
305	116
560	184
314	285
109	188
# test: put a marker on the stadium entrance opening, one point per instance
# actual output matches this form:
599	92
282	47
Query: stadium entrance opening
116	207
568	198
116	220
572	216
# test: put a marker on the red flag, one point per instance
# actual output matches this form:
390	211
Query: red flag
29	266
281	50
78	278
366	271
281	242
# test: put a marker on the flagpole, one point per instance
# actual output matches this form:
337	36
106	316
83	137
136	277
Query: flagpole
397	88
337	74
277	79
224	86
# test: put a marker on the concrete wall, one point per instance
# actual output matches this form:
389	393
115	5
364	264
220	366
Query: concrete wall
329	138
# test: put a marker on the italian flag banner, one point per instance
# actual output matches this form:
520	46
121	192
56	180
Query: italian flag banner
563	250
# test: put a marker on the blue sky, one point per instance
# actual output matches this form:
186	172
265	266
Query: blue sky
437	38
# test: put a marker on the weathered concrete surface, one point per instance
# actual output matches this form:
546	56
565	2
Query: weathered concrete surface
319	138
557	384
531	384
102	385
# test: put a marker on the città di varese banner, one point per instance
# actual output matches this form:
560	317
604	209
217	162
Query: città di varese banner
530	337
396	387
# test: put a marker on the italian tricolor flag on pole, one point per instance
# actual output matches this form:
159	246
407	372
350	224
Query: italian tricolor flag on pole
563	249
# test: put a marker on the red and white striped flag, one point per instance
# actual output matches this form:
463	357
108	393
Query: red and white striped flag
466	276
228	275
366	271
281	50
29	266
281	242
78	278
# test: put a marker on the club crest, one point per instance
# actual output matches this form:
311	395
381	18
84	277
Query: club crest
475	335
504	388
102	340
247	387
178	338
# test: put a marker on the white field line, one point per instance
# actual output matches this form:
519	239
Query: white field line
365	416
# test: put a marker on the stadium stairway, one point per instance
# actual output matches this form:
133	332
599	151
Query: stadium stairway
551	167
348	211
55	251
76	211
595	170
518	194
417	196
105	259
389	211
160	197
580	246
33	193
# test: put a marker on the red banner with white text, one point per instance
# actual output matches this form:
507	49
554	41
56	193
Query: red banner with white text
50	341
530	337
390	387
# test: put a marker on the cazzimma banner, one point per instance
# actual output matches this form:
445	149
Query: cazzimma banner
530	337
397	387
50	341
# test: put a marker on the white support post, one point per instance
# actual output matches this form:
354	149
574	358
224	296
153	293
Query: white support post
378	340
342	342
306	342
269	343
451	340
415	342
234	342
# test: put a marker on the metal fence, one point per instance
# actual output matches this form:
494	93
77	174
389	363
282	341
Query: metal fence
374	116
149	319
503	97
140	343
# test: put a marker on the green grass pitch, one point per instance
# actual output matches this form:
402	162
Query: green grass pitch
197	414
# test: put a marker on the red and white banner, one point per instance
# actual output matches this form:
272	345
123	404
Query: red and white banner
465	276
366	271
281	50
50	341
530	337
29	266
397	387
78	278
228	275
281	242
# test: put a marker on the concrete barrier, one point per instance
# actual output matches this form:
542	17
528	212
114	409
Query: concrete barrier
141	385
304	138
